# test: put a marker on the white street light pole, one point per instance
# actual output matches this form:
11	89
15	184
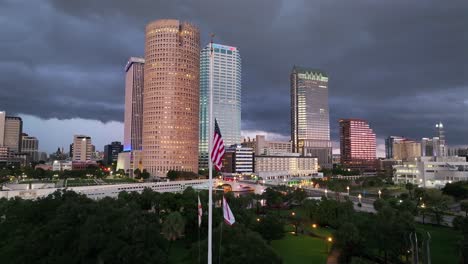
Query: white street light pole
359	197
380	193
347	188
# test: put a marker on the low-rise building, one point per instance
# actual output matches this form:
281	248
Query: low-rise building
291	165
238	160
430	172
261	146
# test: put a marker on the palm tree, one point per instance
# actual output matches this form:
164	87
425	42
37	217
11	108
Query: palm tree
174	226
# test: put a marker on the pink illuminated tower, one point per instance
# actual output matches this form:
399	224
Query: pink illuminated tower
357	144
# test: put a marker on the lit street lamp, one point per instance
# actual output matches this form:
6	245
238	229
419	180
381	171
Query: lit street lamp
380	193
314	225
359	197
329	240
326	193
347	188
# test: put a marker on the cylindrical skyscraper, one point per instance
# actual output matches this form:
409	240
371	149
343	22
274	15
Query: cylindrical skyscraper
171	97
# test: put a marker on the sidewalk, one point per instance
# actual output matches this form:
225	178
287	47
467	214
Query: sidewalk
333	257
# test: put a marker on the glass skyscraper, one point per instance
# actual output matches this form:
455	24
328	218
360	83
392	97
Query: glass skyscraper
310	124
226	96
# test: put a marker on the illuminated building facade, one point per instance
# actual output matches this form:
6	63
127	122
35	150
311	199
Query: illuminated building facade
357	144
226	96
82	148
133	119
310	125
171	97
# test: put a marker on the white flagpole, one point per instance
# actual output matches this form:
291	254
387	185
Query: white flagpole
210	163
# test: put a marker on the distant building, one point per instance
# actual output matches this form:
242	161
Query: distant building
30	146
406	150
238	160
430	172
133	119
458	151
389	145
310	125
261	146
227	73
357	144
82	148
111	152
43	156
2	128
288	165
385	166
13	133
336	158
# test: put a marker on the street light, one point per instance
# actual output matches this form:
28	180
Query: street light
258	219
314	226
359	197
326	193
293	213
380	193
329	240
347	188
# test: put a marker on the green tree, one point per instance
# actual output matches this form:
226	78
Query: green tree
137	173
270	228
464	207
145	174
233	247
172	175
437	203
174	226
349	241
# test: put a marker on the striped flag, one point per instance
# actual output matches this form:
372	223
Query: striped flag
227	213
217	152
200	212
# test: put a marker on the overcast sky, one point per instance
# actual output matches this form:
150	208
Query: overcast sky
402	65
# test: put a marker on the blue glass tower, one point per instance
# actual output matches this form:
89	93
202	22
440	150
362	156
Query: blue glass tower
226	96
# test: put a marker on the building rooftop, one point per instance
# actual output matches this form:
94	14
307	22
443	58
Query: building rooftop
300	69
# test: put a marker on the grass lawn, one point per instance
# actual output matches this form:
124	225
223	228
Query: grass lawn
444	243
301	249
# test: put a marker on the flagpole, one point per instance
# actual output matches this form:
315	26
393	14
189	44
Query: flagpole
210	162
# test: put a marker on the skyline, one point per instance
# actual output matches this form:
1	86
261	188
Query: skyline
89	81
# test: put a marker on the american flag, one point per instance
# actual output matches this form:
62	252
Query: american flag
217	152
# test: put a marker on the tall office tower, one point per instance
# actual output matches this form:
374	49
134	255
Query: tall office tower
310	125
2	127
171	97
12	134
82	148
226	97
30	146
389	145
442	145
357	144
111	152
133	119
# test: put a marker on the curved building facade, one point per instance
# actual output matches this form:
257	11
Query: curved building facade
171	97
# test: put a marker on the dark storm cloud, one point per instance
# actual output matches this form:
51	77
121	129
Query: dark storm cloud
400	64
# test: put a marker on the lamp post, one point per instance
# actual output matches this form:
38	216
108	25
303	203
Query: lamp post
359	197
326	193
329	242
380	193
347	188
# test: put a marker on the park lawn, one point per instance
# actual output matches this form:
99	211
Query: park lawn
301	249
444	244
